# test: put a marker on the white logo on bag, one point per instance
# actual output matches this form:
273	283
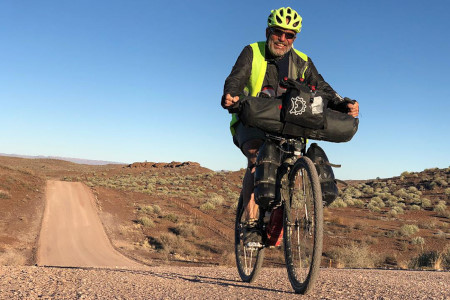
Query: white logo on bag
298	106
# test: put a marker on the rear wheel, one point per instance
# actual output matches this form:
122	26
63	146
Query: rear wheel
248	259
303	226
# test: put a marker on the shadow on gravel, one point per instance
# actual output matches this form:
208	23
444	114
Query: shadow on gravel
225	282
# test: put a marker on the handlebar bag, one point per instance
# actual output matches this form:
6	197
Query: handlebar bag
262	112
301	107
339	127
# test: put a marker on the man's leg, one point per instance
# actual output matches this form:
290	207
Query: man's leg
250	150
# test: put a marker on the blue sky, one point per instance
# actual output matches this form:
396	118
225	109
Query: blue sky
141	80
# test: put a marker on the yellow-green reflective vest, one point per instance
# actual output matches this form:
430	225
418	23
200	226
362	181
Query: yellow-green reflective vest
259	67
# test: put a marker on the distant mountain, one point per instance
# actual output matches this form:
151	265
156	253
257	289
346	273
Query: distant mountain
74	160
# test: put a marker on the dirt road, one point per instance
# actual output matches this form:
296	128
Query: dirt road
72	234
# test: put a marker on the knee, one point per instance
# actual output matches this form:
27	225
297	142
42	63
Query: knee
250	150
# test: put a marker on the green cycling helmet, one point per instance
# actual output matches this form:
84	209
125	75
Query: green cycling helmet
285	17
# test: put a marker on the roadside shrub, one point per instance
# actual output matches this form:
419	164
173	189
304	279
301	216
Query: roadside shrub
354	256
171	243
430	259
407	230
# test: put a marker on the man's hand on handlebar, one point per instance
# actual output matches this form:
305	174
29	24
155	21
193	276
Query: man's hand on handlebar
353	109
229	100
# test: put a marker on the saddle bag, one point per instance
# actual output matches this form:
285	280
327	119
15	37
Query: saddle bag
326	175
267	163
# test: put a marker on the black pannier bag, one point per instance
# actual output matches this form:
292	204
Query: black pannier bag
325	172
267	163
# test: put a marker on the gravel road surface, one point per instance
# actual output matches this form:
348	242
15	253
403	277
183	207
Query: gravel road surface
214	283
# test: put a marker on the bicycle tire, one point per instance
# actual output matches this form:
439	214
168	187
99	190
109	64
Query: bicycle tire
303	233
248	261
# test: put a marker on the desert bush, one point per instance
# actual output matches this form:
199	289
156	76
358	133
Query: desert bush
171	217
338	202
418	240
4	194
405	173
207	206
431	259
156	209
368	190
425	203
407	230
398	209
414	207
354	256
358	203
171	243
146	209
401	193
377	202
440	208
185	230
412	189
216	199
447	191
145	221
373	208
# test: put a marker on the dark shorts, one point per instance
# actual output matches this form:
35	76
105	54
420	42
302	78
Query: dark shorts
245	134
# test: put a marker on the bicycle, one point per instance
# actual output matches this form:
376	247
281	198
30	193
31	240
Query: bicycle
299	196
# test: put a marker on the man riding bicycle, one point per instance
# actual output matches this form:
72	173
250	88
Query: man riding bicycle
259	70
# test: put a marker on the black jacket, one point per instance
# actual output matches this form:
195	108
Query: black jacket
290	65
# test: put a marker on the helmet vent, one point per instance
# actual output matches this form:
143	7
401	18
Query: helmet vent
279	20
289	10
295	24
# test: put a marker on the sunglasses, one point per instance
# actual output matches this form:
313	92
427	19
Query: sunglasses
278	32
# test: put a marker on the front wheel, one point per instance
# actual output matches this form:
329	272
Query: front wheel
303	226
248	259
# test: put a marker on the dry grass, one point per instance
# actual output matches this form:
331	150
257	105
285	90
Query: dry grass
354	256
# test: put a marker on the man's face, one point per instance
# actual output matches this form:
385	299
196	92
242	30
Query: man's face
279	40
